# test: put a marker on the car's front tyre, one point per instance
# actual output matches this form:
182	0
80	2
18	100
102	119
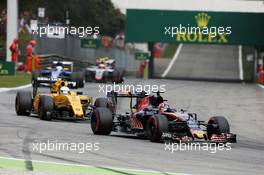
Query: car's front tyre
46	107
23	103
156	125
101	121
217	125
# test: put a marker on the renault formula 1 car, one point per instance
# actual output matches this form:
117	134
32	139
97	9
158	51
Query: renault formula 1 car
60	70
104	71
152	117
60	102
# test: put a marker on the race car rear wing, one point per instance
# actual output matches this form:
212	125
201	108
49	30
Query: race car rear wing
47	81
67	65
122	94
63	62
130	94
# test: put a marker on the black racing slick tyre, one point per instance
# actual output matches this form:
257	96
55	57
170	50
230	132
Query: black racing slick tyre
101	102
156	125
121	75
23	103
80	79
217	125
46	107
117	76
88	76
74	78
101	121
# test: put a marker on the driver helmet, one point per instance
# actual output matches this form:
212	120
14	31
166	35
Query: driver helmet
59	68
101	66
64	90
163	107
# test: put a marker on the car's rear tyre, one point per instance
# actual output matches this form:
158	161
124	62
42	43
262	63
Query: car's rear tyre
104	102
74	78
121	75
46	107
23	103
81	80
117	76
88	76
217	125
101	121
156	125
105	77
101	102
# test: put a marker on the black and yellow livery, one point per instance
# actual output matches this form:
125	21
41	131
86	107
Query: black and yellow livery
54	104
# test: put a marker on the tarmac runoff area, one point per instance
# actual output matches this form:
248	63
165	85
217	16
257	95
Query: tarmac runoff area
202	62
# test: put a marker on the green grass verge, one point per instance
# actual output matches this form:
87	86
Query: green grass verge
51	167
169	51
15	80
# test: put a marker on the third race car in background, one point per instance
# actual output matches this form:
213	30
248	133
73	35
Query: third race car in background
151	116
104	71
59	70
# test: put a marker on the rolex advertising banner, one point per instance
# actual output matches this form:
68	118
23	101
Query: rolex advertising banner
7	68
90	43
195	27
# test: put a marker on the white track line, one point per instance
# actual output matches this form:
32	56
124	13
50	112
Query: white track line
172	61
14	88
240	62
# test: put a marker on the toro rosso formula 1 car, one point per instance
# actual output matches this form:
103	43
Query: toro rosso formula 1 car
104	71
59	103
60	70
152	117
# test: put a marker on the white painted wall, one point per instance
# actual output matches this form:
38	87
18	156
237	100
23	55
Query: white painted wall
12	25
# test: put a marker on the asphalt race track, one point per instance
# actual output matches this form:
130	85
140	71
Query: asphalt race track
210	62
242	104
